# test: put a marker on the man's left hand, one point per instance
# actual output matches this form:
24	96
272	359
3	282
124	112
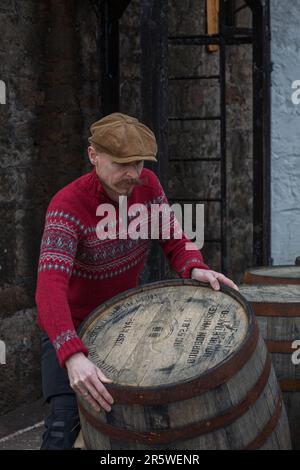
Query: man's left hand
213	277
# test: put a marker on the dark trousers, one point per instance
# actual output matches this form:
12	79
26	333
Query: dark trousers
62	423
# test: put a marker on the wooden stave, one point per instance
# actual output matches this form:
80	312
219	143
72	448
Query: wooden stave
252	278
207	387
278	432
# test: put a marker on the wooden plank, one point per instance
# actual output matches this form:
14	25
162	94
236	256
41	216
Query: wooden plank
212	8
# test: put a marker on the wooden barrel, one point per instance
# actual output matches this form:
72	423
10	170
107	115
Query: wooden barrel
277	309
189	369
273	275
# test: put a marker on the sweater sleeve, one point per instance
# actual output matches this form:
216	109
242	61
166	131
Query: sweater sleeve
182	260
57	252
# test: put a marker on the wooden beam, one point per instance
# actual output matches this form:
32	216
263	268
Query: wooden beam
212	12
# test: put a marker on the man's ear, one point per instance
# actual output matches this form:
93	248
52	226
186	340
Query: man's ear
92	155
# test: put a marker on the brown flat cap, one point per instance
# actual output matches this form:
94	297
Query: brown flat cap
124	138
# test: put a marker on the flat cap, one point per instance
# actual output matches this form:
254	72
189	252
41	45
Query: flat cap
124	138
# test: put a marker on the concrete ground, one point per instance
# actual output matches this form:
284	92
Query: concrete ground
23	428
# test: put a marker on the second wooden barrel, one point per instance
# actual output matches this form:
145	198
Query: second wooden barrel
271	275
189	369
277	309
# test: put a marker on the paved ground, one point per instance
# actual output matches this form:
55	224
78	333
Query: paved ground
23	427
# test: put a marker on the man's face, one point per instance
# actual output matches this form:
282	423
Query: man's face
118	179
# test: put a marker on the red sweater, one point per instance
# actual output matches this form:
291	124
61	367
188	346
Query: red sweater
77	271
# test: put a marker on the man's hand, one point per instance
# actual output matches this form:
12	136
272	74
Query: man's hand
205	275
86	380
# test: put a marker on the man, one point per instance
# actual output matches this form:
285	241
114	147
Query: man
78	270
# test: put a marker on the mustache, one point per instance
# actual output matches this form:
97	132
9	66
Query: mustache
138	181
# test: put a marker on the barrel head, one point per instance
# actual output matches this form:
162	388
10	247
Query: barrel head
165	333
273	275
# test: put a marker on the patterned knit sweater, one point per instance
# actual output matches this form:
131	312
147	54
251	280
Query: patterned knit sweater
77	271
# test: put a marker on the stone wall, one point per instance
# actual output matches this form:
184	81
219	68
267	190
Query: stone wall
20	379
48	59
285	120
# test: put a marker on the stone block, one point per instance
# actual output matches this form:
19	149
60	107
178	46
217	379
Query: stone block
194	98
197	180
186	18
191	61
193	139
20	379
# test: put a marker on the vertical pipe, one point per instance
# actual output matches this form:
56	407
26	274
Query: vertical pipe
261	134
109	51
154	95
222	66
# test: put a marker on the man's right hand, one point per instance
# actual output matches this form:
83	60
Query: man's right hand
86	380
